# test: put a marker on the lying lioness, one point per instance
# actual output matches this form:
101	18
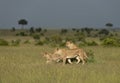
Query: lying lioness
56	57
52	57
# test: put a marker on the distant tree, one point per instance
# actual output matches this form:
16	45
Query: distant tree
73	29
63	31
109	25
38	29
77	30
36	36
82	29
32	30
22	34
22	22
104	31
88	30
13	29
45	30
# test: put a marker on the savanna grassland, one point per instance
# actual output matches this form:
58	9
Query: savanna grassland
23	61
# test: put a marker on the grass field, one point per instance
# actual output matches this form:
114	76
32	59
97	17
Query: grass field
25	64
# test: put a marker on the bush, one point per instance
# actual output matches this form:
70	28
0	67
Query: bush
63	43
56	38
36	37
82	44
15	42
40	43
104	31
42	34
111	42
26	42
63	31
93	43
3	42
13	29
90	54
21	34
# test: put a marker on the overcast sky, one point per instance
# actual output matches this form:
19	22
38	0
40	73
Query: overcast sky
60	13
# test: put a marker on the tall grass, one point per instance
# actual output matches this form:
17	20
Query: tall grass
25	64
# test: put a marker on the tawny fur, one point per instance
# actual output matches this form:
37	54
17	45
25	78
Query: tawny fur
52	57
81	52
71	45
67	54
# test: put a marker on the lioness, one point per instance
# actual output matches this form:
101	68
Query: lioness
68	54
56	58
50	57
72	46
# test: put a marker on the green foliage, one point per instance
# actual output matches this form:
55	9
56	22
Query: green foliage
22	22
36	36
32	30
56	38
21	34
63	31
62	43
39	43
26	42
109	24
15	42
104	32
45	30
13	29
111	42
38	29
91	58
26	64
92	43
42	34
3	42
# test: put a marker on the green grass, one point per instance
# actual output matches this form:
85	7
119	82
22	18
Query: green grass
25	64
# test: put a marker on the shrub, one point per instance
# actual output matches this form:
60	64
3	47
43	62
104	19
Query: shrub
15	42
63	31
63	43
32	30
3	42
21	34
111	42
45	30
104	31
82	44
38	29
39	43
56	38
90	54
93	43
13	29
36	37
26	42
42	34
